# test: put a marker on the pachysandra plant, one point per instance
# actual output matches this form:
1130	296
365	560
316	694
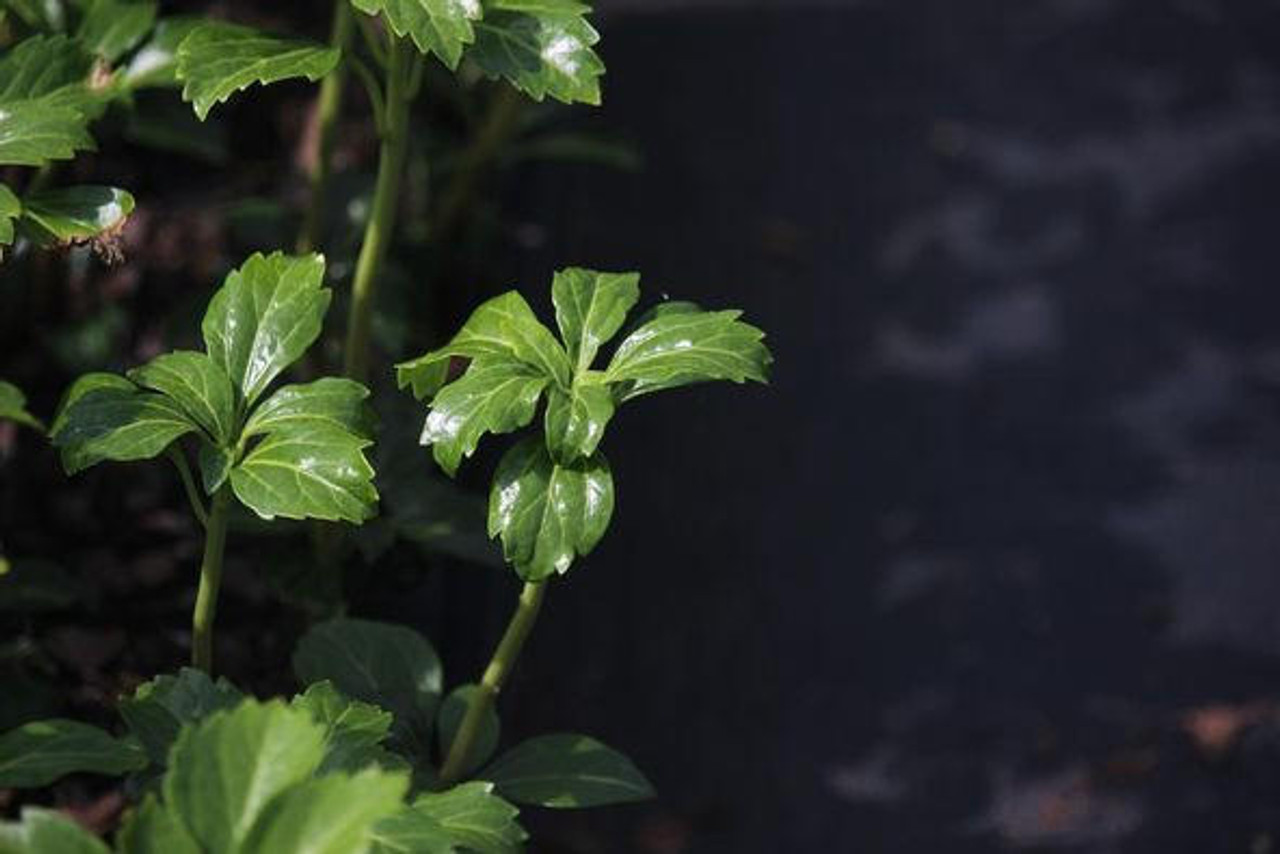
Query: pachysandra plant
297	453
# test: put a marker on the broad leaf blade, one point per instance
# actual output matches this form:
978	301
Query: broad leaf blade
198	385
108	418
492	397
452	712
154	829
308	471
46	101
156	62
590	309
70	215
547	514
565	771
264	318
158	709
32	133
13	407
473	817
38	753
111	28
331	401
542	47
354	731
576	420
441	27
334	814
47	832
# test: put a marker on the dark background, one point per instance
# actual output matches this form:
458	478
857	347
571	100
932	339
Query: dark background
991	565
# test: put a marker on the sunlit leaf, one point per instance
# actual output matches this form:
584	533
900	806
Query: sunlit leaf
590	309
156	62
440	27
154	829
576	419
307	471
40	752
333	814
198	385
47	832
469	817
330	401
566	770
111	28
542	47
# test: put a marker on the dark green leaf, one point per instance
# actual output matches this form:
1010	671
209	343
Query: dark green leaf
10	210
590	309
331	402
411	832
542	47
566	770
474	818
441	27
308	471
40	752
576	419
111	28
198	385
156	62
451	713
158	709
48	15
105	417
47	832
492	397
46	101
216	60
153	829
354	731
265	317
215	466
70	215
682	347
547	513
13	406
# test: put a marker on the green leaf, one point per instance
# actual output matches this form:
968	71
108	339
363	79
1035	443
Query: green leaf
46	101
308	471
331	402
576	420
13	406
390	666
48	15
450	719
216	60
474	818
111	28
47	832
411	832
441	27
547	513
329	815
354	731
104	417
156	62
40	752
225	771
503	329
542	47
264	318
198	385
590	309
10	209
566	770
215	466
153	829
158	709
492	397
71	215
33	133
682	347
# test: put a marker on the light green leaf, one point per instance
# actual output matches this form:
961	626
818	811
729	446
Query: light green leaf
40	752
548	513
108	418
215	466
264	318
158	709
111	28
441	27
216	60
156	62
390	666
576	419
354	731
474	818
492	397
567	770
330	401
198	385
70	215
47	832
590	309
13	406
542	47
10	209
682	347
226	770
452	711
308	471
504	329
334	814
153	829
32	133
46	101
411	832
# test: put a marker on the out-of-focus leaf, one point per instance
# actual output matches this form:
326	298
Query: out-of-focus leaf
47	832
38	753
152	829
542	47
354	730
452	710
47	15
111	28
46	101
566	770
13	406
158	709
156	62
469	817
10	210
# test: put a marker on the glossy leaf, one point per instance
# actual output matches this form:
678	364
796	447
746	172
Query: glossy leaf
354	731
542	47
10	210
307	471
111	28
331	402
70	215
492	397
680	348
576	420
216	60
334	814
158	709
47	832
264	318
503	329
469	817
153	829
452	711
156	62
566	770
440	27
45	101
13	407
390	666
108	418
198	385
33	133
40	752
226	770
548	513
590	309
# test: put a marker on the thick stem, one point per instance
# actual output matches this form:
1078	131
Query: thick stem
215	541
328	109
382	215
495	676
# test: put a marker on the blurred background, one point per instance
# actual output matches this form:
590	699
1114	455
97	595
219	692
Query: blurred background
992	565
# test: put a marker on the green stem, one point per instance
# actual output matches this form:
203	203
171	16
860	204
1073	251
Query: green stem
189	485
328	109
495	676
401	63
215	540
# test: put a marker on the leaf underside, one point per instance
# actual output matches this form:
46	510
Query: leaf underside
440	27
